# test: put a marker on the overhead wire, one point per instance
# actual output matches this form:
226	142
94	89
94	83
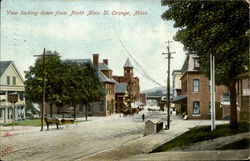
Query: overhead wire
140	69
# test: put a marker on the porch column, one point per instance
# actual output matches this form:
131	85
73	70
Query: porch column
5	111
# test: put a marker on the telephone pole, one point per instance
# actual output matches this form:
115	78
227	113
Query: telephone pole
168	81
43	80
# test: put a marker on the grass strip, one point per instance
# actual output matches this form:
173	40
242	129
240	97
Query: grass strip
201	133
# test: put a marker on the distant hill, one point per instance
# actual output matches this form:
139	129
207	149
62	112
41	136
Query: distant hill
156	91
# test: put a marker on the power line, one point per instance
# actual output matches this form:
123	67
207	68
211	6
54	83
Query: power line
140	69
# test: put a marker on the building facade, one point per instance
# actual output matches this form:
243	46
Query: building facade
106	106
132	82
176	76
243	97
11	82
195	91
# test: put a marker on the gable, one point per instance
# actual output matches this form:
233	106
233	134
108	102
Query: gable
11	72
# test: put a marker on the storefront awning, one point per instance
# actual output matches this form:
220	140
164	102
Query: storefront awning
179	99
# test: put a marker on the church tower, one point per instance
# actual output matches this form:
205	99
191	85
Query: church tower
128	69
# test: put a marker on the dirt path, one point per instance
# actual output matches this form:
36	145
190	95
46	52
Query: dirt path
72	142
75	142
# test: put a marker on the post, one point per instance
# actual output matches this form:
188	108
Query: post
168	83
43	102
168	87
212	91
43	80
13	115
214	105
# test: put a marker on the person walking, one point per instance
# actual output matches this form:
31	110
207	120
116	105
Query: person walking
143	117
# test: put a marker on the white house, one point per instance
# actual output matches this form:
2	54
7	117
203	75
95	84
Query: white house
11	82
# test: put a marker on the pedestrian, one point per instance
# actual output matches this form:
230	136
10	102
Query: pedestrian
143	117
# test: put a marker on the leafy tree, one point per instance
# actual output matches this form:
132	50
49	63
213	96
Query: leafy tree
67	83
95	90
34	84
218	28
80	84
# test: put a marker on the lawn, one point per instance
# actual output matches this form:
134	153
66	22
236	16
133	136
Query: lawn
33	122
201	133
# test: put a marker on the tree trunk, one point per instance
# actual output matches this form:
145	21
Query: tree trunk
74	112
86	112
233	110
50	105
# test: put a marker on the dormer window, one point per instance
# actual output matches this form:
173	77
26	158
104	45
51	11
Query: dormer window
196	63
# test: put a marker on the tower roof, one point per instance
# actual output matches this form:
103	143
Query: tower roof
128	63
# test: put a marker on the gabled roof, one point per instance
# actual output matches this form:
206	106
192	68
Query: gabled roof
79	61
3	66
103	66
103	78
120	88
128	63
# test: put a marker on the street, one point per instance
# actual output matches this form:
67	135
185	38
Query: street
83	139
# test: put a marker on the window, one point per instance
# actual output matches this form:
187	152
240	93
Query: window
101	106
14	80
2	92
196	63
225	97
1	113
196	107
209	107
8	80
196	83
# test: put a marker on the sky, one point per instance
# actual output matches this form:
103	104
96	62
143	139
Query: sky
116	36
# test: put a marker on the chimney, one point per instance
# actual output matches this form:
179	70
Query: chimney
96	60
105	61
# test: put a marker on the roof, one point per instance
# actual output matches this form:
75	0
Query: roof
3	66
128	63
79	61
176	71
120	88
179	98
154	121
243	75
103	78
103	66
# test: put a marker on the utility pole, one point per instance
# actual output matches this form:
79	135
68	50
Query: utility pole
43	80
212	92
168	81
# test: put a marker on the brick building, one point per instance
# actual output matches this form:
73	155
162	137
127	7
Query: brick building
132	82
195	91
243	97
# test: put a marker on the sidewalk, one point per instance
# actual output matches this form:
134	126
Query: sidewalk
146	144
193	156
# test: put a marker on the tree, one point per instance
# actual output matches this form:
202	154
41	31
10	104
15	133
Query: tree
34	86
67	83
218	28
81	84
95	90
